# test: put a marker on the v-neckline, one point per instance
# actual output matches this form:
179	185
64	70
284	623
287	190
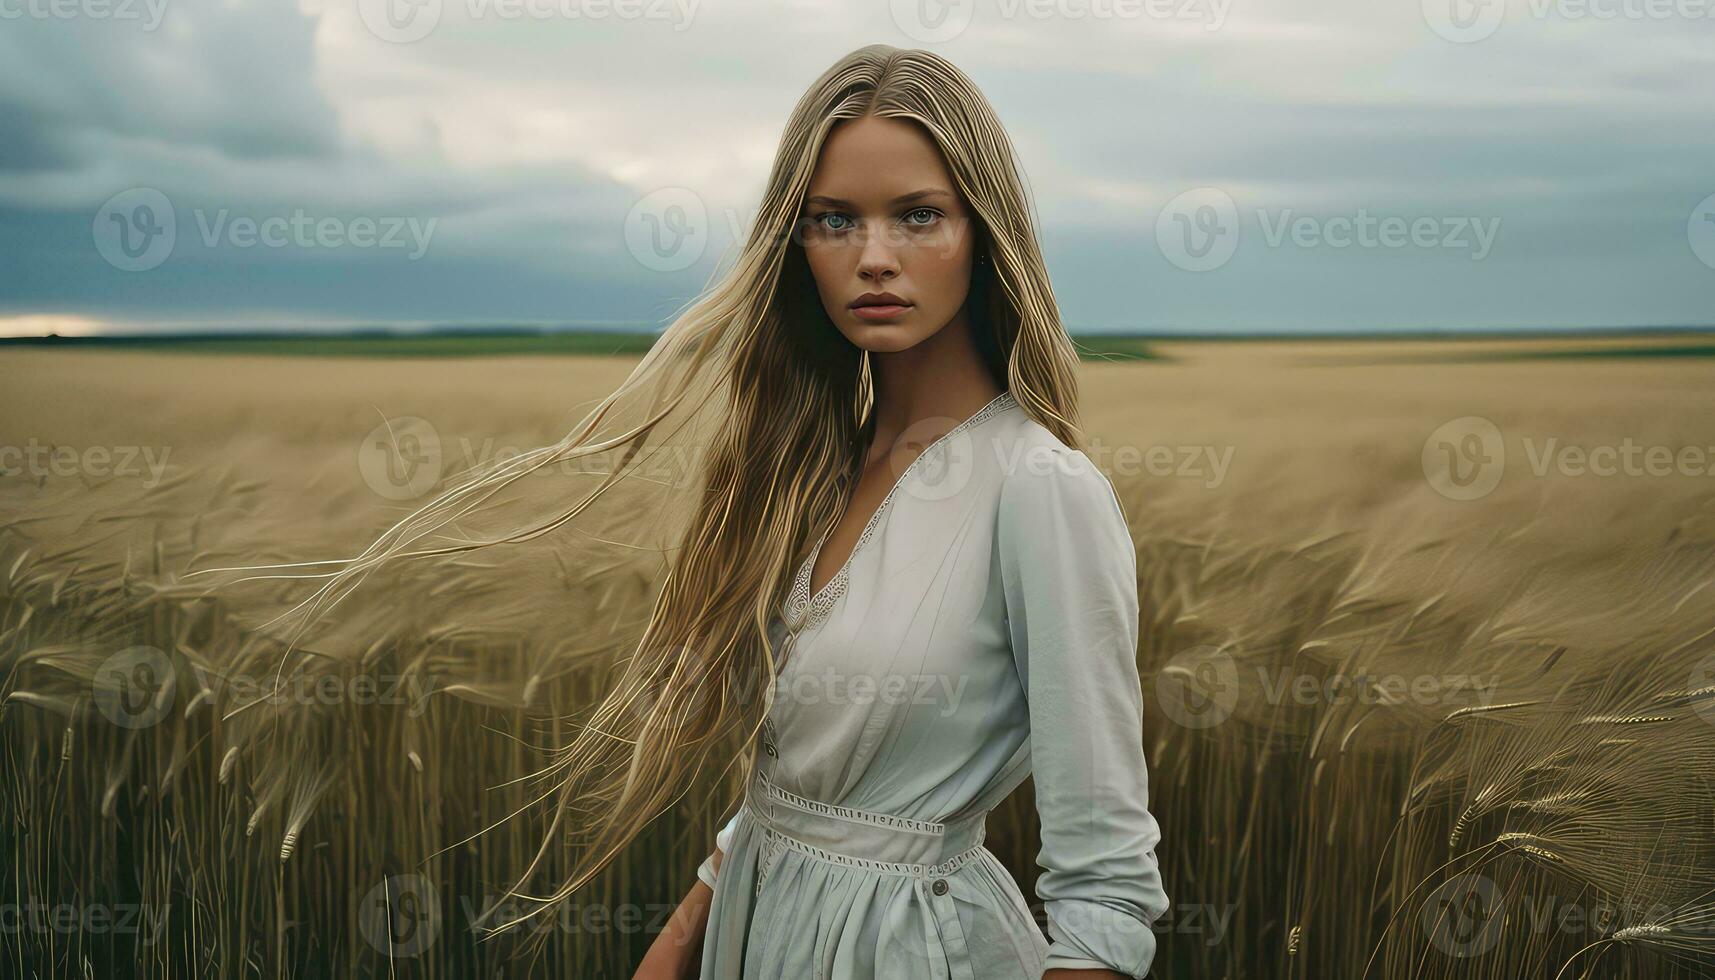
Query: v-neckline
802	602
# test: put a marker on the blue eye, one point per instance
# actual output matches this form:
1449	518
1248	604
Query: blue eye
833	214
931	212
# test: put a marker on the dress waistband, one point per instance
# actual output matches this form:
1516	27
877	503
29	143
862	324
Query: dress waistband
881	842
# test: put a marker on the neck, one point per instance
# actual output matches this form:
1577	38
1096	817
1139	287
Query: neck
942	378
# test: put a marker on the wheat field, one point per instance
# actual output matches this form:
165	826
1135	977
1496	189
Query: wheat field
1428	649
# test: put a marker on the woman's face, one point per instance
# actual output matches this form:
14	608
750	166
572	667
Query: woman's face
881	217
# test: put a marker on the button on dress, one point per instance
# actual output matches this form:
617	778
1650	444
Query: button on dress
984	629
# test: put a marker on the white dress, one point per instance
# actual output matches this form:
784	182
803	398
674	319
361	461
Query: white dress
984	628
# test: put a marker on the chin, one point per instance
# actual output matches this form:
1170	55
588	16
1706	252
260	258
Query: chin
899	334
883	338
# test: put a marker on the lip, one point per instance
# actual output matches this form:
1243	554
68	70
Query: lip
879	306
880	312
879	299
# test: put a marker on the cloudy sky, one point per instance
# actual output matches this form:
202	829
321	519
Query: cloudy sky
1198	165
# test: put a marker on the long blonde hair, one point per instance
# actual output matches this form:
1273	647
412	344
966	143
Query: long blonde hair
774	406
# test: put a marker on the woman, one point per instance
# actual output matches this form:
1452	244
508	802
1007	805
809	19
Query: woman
986	579
887	528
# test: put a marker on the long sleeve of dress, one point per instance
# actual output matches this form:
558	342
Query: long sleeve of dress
723	843
1069	569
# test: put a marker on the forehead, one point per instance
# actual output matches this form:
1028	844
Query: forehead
874	160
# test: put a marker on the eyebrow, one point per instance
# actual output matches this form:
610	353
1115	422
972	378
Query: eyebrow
927	192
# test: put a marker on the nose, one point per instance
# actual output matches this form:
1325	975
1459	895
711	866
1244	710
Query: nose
879	260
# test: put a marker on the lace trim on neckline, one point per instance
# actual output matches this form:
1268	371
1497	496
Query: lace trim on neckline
805	611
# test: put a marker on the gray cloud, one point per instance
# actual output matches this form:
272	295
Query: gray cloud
521	146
